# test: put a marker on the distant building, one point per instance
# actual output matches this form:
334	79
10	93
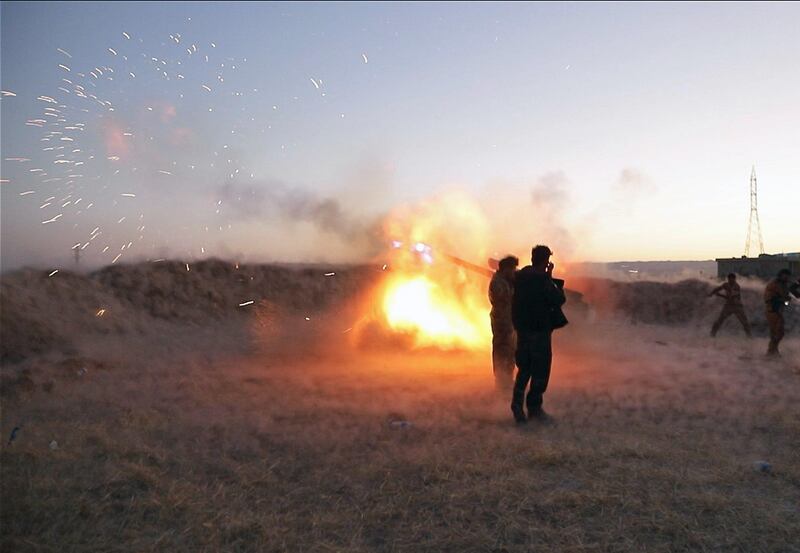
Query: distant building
763	266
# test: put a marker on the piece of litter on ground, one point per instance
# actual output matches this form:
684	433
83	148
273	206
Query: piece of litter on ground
329	274
251	302
762	466
308	318
54	445
13	434
348	330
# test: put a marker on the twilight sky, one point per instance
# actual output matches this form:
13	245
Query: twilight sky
285	131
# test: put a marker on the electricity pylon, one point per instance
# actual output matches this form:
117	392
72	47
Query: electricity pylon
753	216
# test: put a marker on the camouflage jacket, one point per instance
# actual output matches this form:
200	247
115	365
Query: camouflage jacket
501	294
776	294
731	292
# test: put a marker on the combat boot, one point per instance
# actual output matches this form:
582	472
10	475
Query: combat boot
519	414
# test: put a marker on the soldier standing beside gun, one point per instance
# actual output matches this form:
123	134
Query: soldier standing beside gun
732	294
776	296
501	293
536	311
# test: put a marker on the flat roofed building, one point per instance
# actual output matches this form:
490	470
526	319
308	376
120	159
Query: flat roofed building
763	266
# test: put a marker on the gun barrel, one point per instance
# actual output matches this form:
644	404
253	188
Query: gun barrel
467	265
485	271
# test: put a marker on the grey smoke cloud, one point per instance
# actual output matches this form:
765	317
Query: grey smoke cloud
551	199
633	183
270	200
550	217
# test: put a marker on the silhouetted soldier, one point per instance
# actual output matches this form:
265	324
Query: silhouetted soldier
501	293
776	296
732	294
535	311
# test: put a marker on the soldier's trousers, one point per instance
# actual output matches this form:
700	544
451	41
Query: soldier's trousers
726	312
503	345
775	322
534	357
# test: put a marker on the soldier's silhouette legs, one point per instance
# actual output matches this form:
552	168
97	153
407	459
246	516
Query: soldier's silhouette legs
534	357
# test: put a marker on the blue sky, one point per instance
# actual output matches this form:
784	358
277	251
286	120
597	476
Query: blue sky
636	124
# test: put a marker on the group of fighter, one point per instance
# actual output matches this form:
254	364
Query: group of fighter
526	308
776	298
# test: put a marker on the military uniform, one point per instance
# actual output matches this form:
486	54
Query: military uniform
733	306
536	298
501	292
776	294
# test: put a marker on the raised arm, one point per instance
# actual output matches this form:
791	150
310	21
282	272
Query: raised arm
555	294
716	291
795	288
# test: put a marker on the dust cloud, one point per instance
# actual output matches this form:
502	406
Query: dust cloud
259	387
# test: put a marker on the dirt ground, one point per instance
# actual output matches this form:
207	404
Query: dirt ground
253	437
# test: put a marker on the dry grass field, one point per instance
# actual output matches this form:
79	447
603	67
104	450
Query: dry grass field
273	433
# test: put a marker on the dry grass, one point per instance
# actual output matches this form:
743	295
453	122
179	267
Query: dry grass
199	438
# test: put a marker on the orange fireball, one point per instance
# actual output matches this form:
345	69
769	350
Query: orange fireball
435	315
427	296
